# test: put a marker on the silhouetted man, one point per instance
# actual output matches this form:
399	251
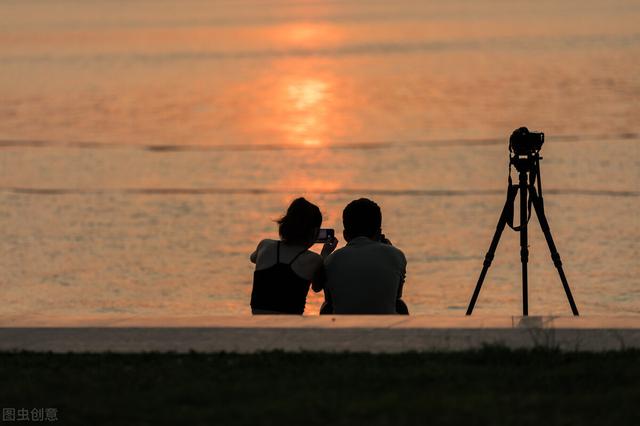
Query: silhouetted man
366	276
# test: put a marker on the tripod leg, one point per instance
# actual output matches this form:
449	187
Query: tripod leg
555	256
524	244
511	195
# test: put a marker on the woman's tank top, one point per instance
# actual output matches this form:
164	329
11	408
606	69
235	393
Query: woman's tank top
278	288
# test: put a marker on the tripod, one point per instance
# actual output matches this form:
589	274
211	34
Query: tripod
528	164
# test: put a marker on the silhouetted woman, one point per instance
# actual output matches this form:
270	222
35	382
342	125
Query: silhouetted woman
286	268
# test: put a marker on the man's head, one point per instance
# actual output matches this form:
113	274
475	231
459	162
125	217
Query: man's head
362	218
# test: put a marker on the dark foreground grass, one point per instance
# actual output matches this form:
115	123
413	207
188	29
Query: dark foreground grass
491	386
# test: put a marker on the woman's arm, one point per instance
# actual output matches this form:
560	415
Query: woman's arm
254	256
319	278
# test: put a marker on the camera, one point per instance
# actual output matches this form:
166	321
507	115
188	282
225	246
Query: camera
524	142
325	235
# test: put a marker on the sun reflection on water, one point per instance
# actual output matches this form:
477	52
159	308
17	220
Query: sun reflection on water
308	102
307	93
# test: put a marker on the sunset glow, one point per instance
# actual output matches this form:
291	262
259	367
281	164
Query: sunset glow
303	34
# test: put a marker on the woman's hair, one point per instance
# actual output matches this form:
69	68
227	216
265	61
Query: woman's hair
301	220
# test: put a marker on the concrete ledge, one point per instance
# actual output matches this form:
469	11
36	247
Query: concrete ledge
326	333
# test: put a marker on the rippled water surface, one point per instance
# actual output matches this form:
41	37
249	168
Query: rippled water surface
147	146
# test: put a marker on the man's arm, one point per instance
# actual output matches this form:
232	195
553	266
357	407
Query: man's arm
327	305
401	284
401	307
403	275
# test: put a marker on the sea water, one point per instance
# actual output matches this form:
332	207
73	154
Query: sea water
147	146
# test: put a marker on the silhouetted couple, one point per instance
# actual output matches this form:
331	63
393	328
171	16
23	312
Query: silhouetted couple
364	277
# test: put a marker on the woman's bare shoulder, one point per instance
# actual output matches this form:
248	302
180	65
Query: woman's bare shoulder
267	242
311	257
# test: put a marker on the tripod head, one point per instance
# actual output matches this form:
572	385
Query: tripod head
525	163
524	149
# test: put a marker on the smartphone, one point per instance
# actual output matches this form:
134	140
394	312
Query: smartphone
325	235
